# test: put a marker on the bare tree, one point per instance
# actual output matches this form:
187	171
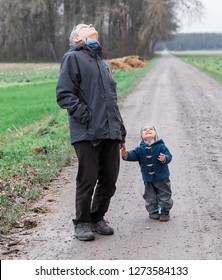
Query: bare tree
157	22
14	24
190	10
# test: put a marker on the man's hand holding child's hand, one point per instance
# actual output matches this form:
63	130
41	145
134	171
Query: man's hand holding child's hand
124	153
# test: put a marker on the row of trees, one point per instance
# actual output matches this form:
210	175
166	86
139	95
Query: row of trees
39	29
193	41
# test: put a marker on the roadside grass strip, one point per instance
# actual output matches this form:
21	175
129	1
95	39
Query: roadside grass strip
210	63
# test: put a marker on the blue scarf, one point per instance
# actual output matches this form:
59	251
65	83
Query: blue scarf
92	42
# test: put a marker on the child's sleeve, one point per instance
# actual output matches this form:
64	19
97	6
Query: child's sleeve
167	153
132	155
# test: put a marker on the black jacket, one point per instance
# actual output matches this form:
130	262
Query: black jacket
87	90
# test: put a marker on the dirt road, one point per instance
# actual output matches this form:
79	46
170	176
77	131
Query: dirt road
186	107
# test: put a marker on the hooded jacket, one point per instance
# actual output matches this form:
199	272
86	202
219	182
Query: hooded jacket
151	168
87	90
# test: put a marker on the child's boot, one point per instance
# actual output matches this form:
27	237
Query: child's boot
164	216
154	216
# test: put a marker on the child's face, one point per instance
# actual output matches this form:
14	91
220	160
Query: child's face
148	133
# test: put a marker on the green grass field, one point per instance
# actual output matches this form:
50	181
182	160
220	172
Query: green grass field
24	73
22	105
209	62
27	93
197	53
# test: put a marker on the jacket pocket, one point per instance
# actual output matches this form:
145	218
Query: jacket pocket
88	118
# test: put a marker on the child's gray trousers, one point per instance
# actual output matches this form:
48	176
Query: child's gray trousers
157	196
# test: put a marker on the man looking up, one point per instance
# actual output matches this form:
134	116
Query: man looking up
87	90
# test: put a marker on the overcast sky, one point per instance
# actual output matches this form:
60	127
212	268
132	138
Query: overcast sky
211	22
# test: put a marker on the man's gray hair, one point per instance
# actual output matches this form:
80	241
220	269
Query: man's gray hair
74	34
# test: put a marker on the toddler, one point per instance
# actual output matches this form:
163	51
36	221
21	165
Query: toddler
153	157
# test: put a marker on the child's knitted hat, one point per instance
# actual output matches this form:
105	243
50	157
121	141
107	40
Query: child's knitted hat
141	131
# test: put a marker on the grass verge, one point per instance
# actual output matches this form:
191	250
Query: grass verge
29	158
210	63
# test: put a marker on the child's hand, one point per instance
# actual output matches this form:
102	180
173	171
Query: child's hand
124	153
162	158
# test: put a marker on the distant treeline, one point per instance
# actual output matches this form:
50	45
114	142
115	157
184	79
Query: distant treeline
193	41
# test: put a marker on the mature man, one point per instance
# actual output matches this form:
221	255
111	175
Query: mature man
87	90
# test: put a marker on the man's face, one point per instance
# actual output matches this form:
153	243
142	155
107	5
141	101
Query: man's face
148	133
86	31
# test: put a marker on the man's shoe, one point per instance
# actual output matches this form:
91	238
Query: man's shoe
83	232
102	228
164	217
154	216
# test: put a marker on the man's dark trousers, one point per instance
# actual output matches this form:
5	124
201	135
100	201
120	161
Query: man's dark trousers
98	166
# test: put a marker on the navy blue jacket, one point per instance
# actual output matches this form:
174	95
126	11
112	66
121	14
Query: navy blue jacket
87	90
151	168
